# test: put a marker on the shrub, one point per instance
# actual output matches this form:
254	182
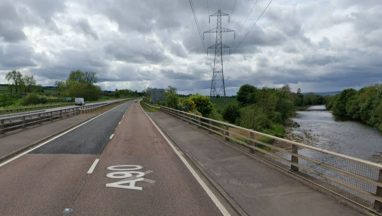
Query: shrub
32	99
231	113
202	104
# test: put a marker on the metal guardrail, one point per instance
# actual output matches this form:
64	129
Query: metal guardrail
354	179
17	121
30	109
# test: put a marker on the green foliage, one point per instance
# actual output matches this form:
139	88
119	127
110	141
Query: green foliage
341	102
88	91
265	109
202	104
231	113
246	94
80	84
171	97
364	105
32	99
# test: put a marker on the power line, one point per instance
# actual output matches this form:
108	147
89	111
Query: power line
197	24
258	18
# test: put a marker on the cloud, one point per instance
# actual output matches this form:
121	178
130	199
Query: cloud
316	45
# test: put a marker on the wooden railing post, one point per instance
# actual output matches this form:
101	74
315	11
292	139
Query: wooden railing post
226	133
253	143
377	203
294	159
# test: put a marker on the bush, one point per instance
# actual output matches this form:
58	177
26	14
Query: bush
88	91
231	113
202	104
32	99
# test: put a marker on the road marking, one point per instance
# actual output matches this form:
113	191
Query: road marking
53	138
111	136
93	166
119	123
212	196
129	176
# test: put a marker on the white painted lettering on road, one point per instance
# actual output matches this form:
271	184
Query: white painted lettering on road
130	176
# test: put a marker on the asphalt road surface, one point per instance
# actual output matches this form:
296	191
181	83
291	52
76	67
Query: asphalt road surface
116	164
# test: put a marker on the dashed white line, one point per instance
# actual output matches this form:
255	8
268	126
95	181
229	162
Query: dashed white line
111	136
93	166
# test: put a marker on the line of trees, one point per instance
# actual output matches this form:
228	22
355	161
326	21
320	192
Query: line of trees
19	83
364	105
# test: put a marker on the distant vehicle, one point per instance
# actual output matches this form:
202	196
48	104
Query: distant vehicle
79	101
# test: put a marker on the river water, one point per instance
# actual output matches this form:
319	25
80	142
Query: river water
346	137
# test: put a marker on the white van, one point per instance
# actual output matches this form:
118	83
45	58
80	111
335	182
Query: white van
79	101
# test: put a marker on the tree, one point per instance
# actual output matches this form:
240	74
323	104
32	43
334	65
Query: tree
83	77
29	83
17	81
244	94
80	84
171	97
339	105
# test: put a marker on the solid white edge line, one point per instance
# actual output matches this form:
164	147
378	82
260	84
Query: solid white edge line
93	166
53	138
209	192
111	136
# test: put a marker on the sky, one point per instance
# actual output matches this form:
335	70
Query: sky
315	45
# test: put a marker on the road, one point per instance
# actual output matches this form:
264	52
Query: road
115	164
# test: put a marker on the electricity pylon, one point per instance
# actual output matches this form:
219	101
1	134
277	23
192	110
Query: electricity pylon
217	82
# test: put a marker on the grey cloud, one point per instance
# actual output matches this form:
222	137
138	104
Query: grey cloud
16	56
156	42
84	26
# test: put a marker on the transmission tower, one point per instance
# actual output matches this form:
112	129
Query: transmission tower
217	82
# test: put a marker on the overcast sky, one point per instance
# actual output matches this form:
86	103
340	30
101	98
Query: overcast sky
315	45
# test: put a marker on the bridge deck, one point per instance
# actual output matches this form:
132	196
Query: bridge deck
255	187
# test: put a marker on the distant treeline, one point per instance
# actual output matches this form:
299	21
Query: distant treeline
364	105
22	90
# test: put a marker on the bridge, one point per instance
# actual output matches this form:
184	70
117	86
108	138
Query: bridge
124	158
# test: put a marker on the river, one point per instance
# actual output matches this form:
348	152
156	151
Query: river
347	137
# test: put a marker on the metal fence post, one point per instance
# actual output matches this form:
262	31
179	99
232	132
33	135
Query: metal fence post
294	159
2	126
24	122
377	203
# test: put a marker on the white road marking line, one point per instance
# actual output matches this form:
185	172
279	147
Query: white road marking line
93	166
212	196
53	138
119	123
111	136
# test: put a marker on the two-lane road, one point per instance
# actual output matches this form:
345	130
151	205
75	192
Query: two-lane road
115	164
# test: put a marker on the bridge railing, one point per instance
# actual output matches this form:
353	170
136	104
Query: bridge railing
19	121
356	180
